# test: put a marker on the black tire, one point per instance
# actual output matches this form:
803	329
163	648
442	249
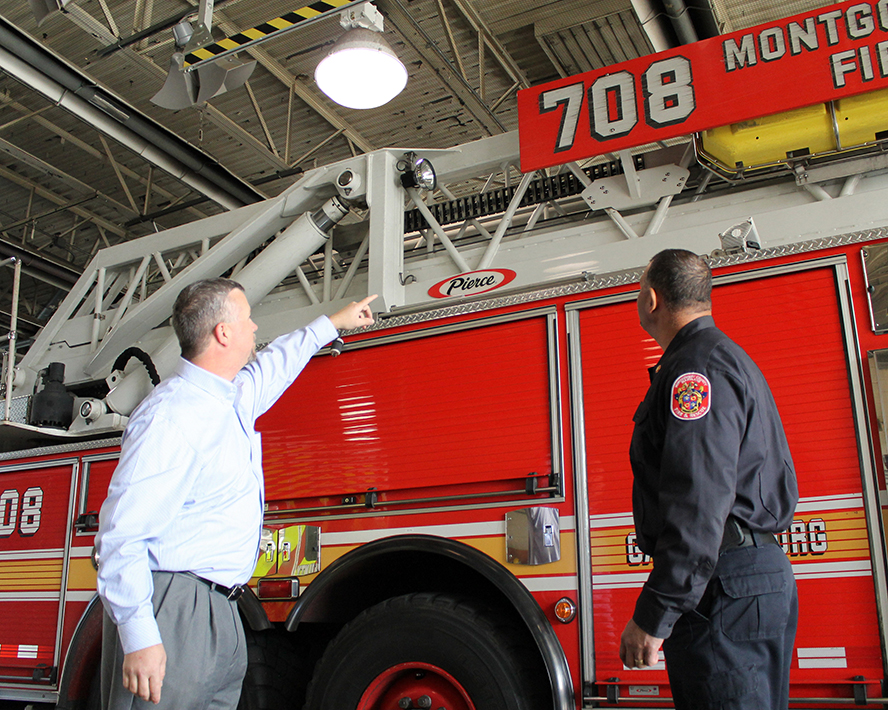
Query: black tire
276	678
427	644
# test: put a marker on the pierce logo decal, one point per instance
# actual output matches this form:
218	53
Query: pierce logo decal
472	283
691	396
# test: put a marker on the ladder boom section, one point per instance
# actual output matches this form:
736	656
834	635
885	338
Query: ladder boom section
425	248
132	286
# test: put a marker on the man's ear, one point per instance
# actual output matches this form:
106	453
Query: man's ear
220	334
648	301
654	300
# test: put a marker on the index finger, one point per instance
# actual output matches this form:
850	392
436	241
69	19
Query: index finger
367	300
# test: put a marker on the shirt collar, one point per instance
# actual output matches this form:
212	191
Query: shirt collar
690	329
206	380
687	331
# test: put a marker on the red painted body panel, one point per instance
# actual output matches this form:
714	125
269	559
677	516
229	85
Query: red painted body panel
790	325
33	528
455	408
467	412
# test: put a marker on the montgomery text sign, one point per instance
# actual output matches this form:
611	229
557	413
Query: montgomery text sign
826	54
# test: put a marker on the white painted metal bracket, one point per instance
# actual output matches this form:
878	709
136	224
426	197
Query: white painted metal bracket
636	188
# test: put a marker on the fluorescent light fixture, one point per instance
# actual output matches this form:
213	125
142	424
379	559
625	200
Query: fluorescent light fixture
361	71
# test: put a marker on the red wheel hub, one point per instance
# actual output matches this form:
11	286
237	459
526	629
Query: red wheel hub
415	685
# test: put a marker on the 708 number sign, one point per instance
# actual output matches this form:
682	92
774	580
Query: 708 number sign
667	93
28	519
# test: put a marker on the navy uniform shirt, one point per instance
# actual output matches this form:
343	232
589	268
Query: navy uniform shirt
708	443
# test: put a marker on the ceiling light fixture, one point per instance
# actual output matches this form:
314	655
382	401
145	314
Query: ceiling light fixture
187	88
361	70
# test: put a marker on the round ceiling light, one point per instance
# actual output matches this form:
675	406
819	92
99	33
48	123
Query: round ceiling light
361	71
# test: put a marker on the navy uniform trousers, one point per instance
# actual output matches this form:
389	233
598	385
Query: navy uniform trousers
205	646
734	651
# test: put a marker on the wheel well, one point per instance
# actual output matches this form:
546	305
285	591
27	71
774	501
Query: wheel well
83	657
406	564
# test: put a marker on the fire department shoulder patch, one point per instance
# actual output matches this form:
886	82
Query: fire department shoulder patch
691	396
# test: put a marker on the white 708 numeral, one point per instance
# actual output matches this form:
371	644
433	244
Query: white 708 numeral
32	502
668	98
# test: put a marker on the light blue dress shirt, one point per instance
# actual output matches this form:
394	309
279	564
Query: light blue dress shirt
188	493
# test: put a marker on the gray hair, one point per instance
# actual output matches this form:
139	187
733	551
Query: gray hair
681	279
199	308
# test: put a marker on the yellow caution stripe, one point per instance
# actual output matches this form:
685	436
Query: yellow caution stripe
264	31
30	575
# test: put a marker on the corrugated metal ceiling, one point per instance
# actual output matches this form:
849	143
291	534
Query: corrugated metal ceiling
66	190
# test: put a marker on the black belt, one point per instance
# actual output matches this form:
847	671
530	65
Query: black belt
231	593
738	535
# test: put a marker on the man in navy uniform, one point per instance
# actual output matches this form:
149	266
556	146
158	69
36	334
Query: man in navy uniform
713	482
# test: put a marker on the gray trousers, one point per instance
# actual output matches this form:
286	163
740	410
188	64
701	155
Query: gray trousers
205	647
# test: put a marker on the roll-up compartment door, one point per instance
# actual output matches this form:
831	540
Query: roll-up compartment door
35	505
792	326
464	410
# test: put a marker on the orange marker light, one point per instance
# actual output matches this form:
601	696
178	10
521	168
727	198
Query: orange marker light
565	610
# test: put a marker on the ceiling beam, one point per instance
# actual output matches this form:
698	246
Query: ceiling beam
500	53
298	86
415	36
90	150
51	196
42	166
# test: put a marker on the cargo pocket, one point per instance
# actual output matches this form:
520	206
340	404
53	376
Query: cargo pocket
756	605
720	688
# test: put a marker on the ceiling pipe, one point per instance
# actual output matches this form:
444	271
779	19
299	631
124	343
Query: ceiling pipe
651	22
40	267
159	26
705	21
677	12
63	84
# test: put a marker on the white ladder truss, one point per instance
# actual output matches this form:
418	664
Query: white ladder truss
125	295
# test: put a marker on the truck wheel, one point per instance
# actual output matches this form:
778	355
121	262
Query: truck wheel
438	651
276	677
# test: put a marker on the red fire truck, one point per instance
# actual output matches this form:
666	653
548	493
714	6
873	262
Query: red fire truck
448	518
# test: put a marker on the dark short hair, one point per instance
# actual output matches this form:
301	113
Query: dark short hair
681	279
198	309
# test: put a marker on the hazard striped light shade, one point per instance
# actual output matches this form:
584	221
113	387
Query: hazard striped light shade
265	31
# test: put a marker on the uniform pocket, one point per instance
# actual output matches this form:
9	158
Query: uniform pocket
714	691
755	606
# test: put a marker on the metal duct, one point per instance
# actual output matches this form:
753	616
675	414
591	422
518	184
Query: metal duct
677	12
41	268
32	64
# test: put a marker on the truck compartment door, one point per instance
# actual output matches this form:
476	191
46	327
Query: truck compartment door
35	505
793	325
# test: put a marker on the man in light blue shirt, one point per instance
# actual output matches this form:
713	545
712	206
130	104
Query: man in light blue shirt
179	532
